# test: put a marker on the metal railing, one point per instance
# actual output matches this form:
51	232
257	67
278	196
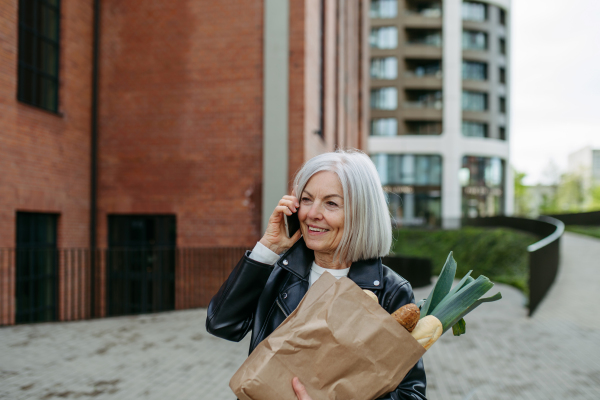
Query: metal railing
56	284
586	218
544	255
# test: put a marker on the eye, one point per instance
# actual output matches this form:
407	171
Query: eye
305	200
332	204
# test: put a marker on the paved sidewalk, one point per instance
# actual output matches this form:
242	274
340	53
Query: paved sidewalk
504	355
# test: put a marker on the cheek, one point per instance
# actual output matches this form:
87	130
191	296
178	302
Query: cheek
302	213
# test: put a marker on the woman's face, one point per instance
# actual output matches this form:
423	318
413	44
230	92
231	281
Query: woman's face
321	212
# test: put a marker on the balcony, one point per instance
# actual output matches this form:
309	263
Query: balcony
419	14
423	74
423	99
424	9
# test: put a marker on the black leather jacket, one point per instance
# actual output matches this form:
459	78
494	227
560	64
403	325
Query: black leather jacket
259	296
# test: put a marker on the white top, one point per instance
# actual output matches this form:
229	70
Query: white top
262	254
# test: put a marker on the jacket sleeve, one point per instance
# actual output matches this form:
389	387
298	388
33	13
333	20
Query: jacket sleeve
231	311
413	385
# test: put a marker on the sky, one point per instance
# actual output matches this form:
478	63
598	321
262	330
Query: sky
555	83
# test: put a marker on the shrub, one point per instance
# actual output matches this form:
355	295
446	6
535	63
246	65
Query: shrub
498	253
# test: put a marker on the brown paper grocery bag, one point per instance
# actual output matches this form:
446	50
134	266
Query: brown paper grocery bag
339	342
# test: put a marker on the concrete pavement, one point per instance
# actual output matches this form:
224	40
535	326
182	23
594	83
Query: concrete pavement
504	355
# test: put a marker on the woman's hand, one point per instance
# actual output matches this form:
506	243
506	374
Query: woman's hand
300	390
275	238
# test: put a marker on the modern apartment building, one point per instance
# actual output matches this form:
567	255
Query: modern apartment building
439	129
143	124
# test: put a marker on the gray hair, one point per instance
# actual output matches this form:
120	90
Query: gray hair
367	223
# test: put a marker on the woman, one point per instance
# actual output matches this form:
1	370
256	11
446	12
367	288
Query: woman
346	229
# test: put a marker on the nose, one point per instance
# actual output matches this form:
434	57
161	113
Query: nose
314	212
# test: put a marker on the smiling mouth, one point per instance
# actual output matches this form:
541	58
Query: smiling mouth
315	229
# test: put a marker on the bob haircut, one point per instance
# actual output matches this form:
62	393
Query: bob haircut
367	223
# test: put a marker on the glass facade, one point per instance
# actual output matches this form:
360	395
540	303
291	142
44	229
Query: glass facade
472	11
413	184
384	68
474	40
482	180
384	127
384	9
474	71
384	98
385	37
474	129
474	101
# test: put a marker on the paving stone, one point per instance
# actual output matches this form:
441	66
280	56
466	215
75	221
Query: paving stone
504	354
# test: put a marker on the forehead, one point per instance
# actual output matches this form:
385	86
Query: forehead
324	183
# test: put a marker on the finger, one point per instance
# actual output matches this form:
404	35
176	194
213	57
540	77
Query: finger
291	204
283	209
300	389
293	198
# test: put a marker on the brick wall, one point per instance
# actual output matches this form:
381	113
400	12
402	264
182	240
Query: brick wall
181	117
45	157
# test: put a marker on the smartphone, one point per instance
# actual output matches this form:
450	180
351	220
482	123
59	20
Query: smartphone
292	224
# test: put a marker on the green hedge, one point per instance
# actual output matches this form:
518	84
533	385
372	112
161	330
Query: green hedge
593	231
498	253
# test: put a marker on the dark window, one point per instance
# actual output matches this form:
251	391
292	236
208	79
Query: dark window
37	267
423	128
474	71
38	53
502	17
474	129
474	40
503	46
472	11
474	101
502	105
502	75
141	264
502	133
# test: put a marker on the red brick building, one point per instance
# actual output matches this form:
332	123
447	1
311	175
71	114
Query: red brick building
203	111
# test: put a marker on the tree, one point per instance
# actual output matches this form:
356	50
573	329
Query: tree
522	195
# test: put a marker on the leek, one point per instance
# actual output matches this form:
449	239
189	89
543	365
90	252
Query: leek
451	305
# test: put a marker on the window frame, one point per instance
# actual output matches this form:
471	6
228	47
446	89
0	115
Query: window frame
31	74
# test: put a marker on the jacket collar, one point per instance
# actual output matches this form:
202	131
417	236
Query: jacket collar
368	274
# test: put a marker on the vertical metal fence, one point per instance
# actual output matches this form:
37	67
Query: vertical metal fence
56	284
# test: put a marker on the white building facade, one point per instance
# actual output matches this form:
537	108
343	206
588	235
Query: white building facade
439	108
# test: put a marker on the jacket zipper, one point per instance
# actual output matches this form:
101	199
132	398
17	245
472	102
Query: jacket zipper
281	308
